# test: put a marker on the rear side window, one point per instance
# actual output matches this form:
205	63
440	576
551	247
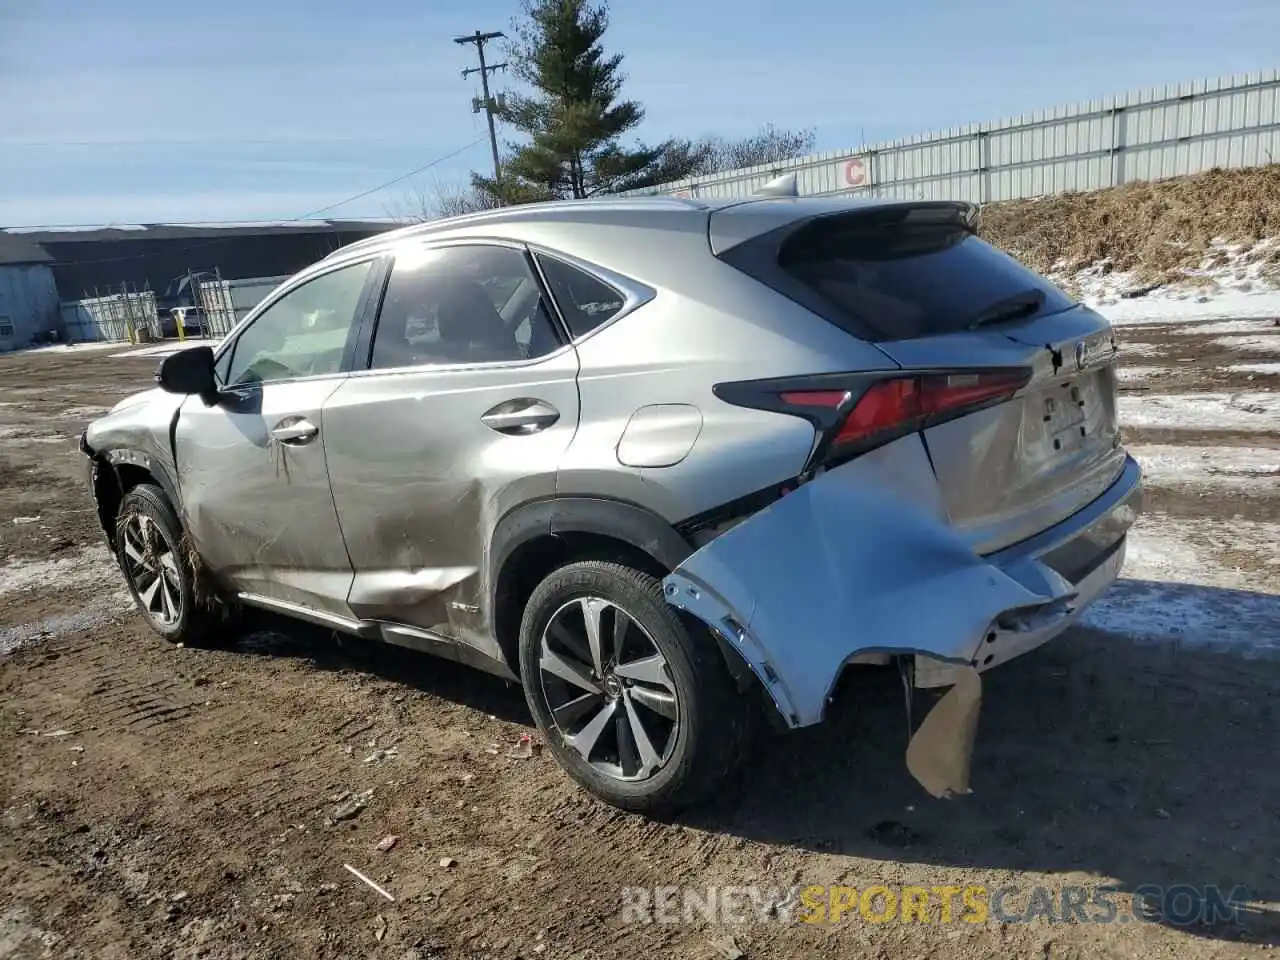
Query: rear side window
584	301
895	276
473	303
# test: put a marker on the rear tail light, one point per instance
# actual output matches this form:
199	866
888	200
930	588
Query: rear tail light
864	416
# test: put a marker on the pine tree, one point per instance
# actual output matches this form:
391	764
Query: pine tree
575	118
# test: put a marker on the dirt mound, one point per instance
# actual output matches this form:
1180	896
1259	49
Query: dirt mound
1158	233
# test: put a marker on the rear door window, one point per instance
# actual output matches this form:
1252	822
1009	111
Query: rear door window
472	303
893	276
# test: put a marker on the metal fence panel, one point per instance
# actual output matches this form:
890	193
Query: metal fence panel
224	303
1146	134
128	315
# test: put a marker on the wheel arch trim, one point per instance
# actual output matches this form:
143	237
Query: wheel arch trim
620	519
113	459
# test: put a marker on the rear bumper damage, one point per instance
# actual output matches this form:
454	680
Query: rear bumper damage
862	561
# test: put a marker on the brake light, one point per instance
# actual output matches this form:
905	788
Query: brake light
892	408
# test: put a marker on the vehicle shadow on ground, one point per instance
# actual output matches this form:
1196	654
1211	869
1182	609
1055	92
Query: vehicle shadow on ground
1145	764
1138	764
265	634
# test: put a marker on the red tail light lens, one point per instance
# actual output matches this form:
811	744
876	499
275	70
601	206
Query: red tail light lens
904	405
889	406
894	407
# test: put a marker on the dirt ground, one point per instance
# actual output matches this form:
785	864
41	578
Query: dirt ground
169	802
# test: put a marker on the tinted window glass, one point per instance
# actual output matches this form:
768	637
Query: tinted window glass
584	301
465	304
904	279
303	334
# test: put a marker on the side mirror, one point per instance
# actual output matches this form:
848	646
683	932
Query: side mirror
189	372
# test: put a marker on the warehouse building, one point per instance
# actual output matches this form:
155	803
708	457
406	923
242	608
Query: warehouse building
41	268
28	293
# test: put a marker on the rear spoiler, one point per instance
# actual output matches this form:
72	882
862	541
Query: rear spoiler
773	217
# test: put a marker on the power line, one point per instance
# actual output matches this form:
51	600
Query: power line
307	216
393	181
202	142
126	225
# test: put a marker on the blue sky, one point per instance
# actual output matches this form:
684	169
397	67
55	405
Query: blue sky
143	110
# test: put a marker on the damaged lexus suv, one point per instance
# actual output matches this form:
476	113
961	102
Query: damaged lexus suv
667	463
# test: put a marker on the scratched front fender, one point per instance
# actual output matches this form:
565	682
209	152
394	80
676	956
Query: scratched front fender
861	559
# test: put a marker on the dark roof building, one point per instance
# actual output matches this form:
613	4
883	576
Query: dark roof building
39	268
16	248
155	255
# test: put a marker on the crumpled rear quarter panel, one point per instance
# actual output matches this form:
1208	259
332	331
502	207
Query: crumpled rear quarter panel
860	559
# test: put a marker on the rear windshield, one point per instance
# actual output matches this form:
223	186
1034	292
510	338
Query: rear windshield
897	277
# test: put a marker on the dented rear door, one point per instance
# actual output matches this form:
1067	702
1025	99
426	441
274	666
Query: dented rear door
457	420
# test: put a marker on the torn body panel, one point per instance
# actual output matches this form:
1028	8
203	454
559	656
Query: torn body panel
860	560
134	435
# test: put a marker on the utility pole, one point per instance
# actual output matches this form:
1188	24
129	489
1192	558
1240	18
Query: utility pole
480	39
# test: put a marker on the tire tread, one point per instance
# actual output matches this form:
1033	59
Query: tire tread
723	718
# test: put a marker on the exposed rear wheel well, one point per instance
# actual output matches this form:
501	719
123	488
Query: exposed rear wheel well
530	564
110	484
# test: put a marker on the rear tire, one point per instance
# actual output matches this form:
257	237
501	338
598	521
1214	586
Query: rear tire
652	727
173	592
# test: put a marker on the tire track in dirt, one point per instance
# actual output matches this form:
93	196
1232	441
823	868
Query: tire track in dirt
229	799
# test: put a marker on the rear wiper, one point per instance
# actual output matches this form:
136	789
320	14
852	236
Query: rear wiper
1014	307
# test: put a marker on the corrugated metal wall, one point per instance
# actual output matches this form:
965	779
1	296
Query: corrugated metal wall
1145	135
28	304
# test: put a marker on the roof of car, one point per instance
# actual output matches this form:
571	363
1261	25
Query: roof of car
644	209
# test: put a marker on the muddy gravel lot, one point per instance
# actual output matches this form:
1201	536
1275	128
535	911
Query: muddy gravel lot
168	802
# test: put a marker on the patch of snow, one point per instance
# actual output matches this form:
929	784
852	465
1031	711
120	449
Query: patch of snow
86	347
1174	588
1254	368
1167	465
88	567
1258	344
1140	373
84	413
1136	349
250	224
165	349
91	568
1181	307
1202	411
78	228
1218	327
61	624
10	436
1228	282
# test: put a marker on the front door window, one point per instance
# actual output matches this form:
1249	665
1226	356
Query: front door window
303	334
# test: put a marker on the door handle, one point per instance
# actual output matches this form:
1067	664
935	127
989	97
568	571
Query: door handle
523	415
295	431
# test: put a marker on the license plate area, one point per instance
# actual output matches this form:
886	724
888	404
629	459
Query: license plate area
1065	415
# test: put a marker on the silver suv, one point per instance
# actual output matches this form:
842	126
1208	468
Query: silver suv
660	461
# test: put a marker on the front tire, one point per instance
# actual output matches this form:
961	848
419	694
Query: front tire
174	595
639	710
